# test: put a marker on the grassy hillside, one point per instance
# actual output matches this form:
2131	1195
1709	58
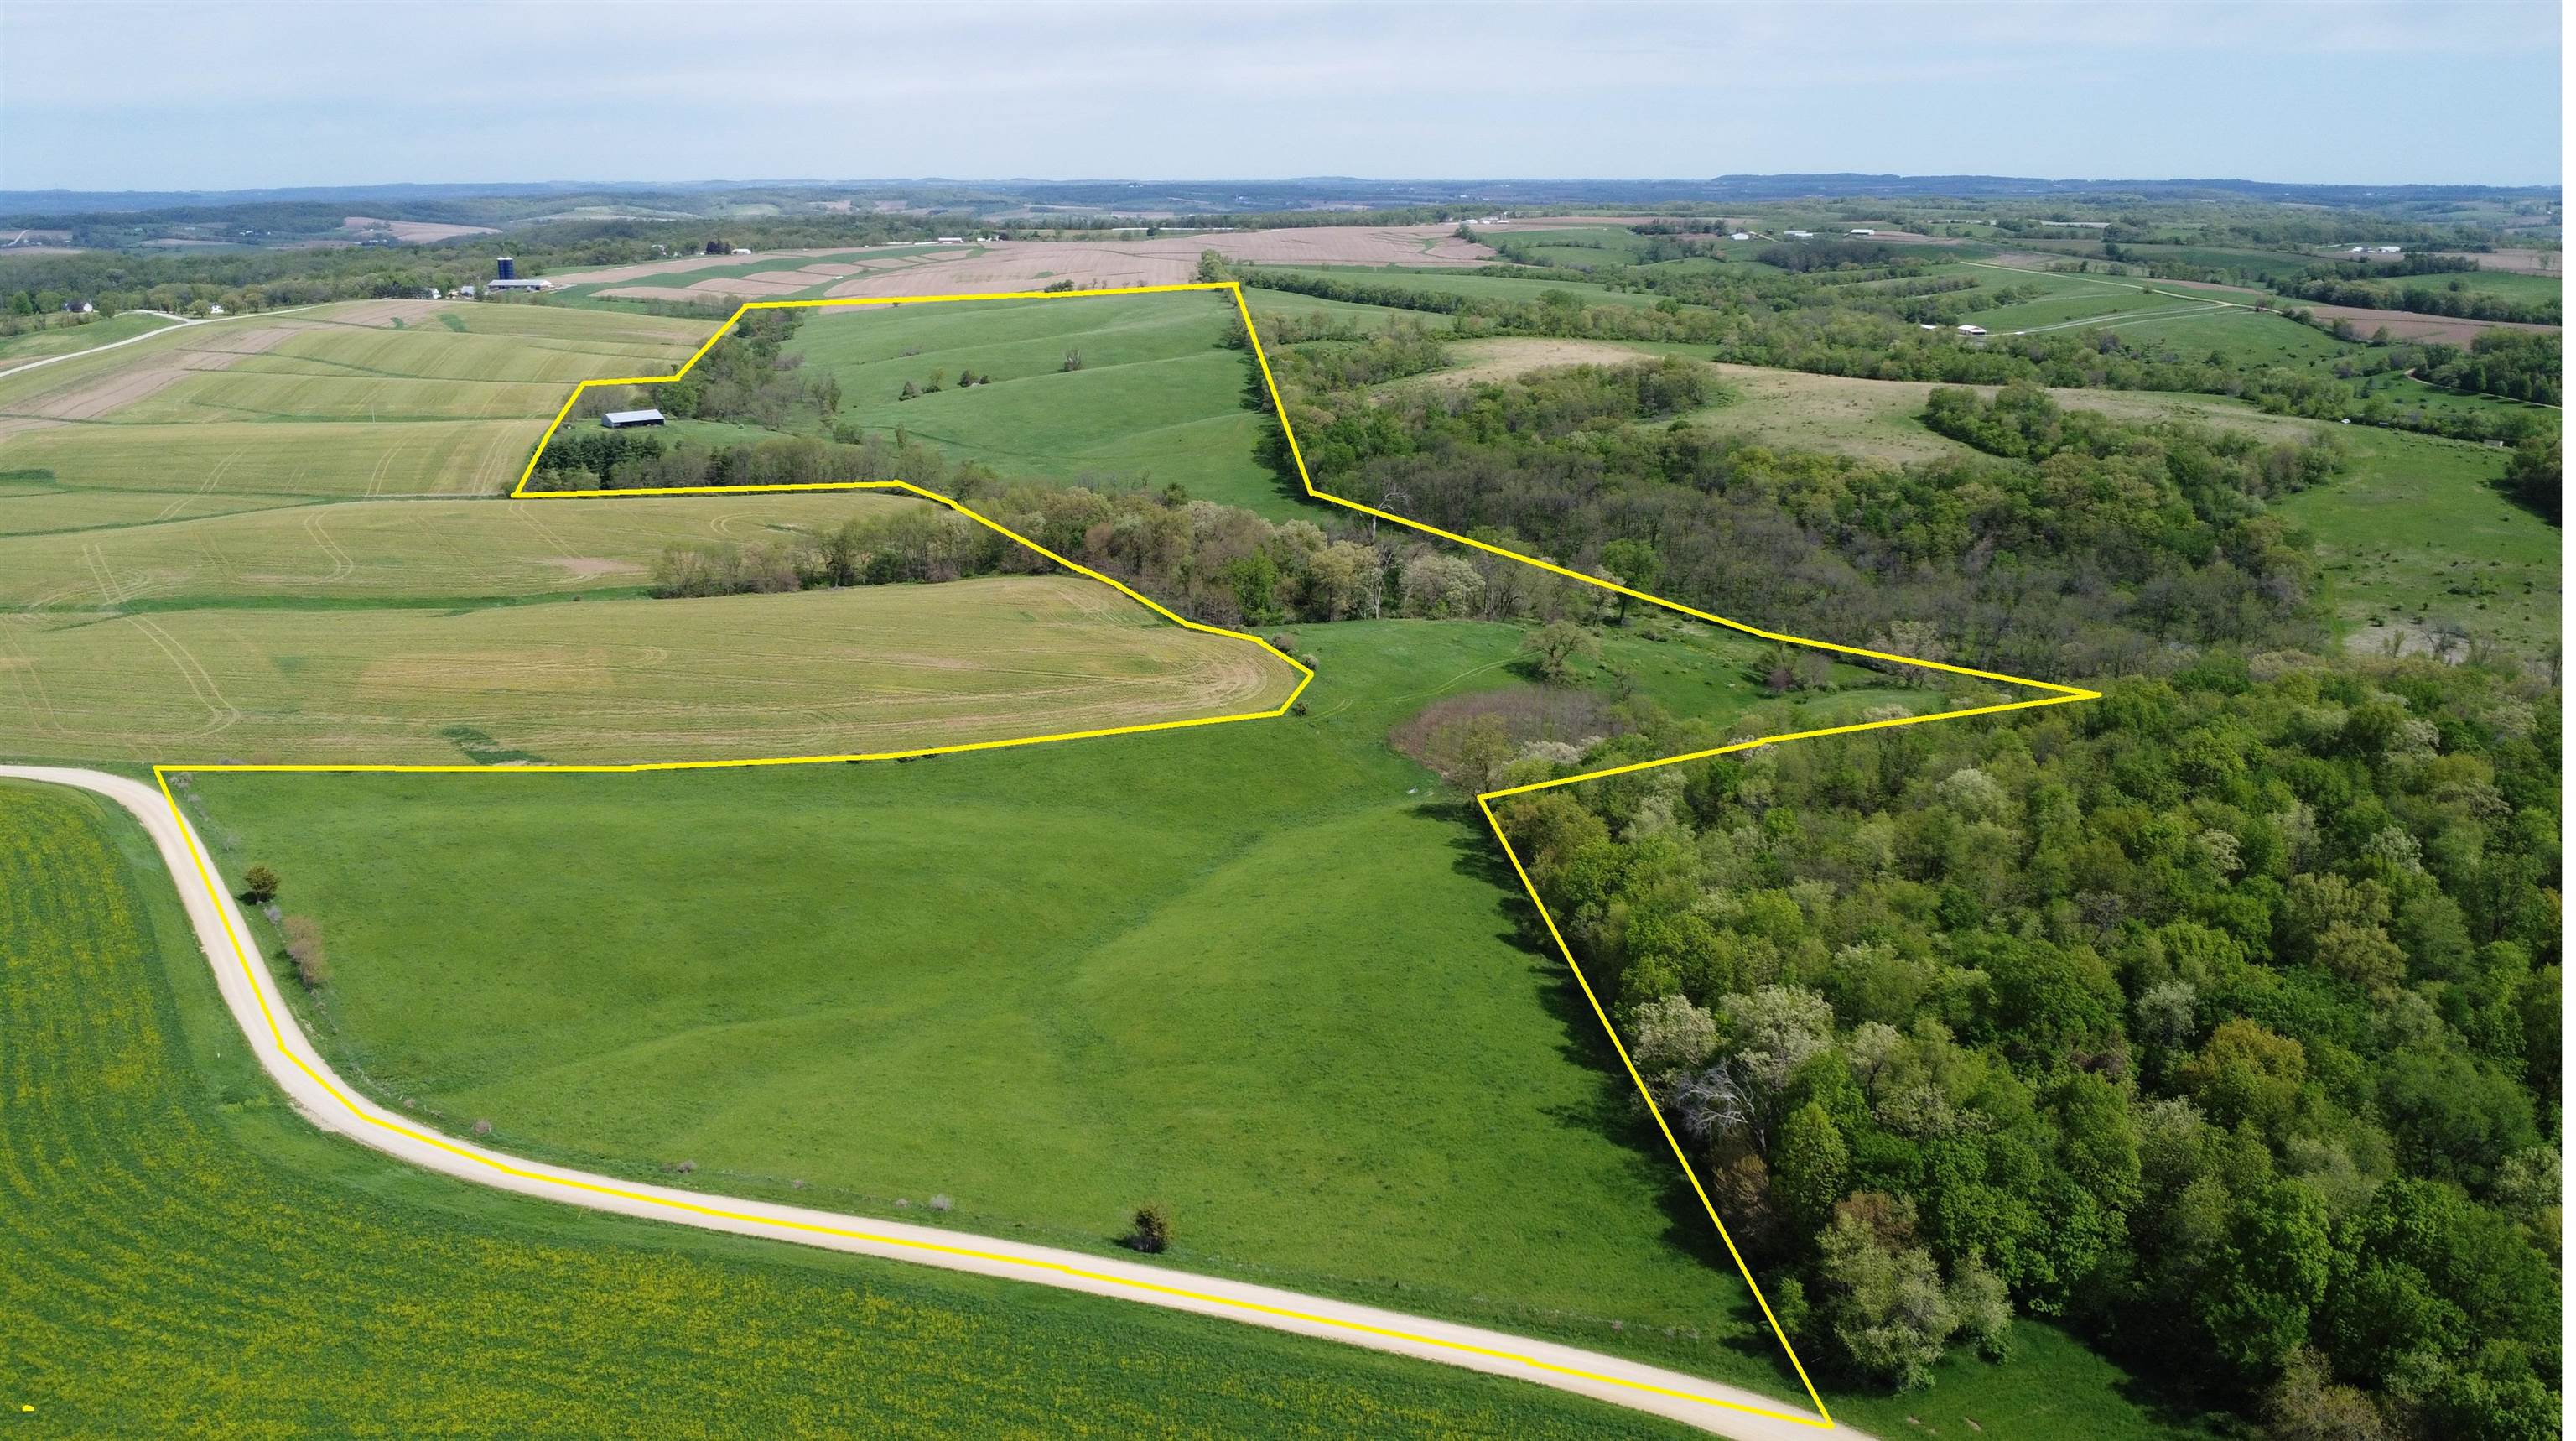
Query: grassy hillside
1261	972
180	1254
1157	398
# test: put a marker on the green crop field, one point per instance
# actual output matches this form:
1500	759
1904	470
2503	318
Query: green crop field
1158	397
39	507
450	551
871	668
180	1254
69	339
2415	537
346	459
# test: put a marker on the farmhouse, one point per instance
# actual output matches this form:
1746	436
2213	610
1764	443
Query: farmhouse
629	419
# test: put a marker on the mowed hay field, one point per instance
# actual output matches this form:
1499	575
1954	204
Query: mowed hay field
368	398
181	1254
816	673
399	550
1159	397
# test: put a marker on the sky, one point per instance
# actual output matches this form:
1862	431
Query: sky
102	95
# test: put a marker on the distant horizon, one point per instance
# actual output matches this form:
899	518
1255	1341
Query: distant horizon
894	182
303	96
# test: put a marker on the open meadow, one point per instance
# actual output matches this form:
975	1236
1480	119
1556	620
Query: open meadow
181	1254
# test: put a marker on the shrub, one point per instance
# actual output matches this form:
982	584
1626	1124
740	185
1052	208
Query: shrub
259	885
1151	1232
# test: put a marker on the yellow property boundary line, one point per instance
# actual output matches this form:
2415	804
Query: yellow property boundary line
2054	695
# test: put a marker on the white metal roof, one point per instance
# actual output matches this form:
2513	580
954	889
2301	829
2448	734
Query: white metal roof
631	417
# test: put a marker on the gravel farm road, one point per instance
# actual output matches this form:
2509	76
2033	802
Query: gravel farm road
332	1104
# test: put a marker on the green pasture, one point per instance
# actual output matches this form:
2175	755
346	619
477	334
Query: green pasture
2415	536
181	1254
1158	398
67	339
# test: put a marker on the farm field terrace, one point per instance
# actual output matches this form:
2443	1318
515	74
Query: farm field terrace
391	551
181	1254
360	399
864	669
1267	974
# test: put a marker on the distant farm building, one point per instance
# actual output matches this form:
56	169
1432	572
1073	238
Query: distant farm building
2388	250
629	419
520	285
507	269
1972	330
1863	230
742	250
1799	234
1740	235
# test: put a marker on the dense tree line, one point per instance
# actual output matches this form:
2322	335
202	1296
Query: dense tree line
2218	1019
2456	298
2085	547
2516	364
1210	562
